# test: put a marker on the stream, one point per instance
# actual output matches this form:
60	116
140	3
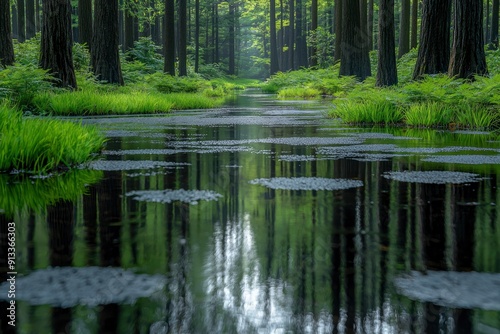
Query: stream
262	216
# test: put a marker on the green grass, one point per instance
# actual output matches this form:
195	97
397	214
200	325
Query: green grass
299	92
41	145
431	114
378	112
475	117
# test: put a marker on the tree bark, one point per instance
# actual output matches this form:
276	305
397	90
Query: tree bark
169	37
30	19
57	42
15	26
404	30
434	50
85	21
183	38
232	29
494	24
104	52
274	48
197	36
21	21
414	24
467	55
291	36
369	25
354	59
6	47
386	68
338	30
128	23
300	37
314	26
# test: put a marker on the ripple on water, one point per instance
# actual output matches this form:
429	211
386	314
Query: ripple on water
452	289
116	165
168	196
307	183
432	177
91	286
465	159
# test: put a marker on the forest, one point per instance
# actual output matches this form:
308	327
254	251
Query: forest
426	63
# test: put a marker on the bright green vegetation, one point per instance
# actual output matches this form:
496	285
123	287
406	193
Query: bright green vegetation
435	101
35	195
41	145
147	89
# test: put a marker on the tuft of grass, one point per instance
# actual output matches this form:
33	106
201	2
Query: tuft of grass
431	114
299	92
40	145
475	117
377	112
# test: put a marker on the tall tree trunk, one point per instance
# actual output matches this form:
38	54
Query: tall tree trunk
487	23
6	47
232	22
169	37
21	21
314	27
291	36
182	37
414	24
339	4
354	59
15	25
467	55
494	24
197	36
274	48
38	17
300	35
104	52
128	23
369	25
30	19
434	49
404	30
386	68
57	42
85	21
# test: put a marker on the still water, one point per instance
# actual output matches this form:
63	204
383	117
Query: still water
260	217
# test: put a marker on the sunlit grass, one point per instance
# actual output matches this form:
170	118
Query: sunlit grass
40	145
429	115
299	92
378	112
475	117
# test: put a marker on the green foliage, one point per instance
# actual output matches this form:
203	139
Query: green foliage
81	57
470	116
305	93
146	52
322	41
378	112
21	83
430	114
41	145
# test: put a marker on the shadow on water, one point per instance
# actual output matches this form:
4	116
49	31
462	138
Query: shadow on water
287	223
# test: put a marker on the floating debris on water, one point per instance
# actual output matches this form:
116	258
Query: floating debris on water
432	177
168	196
307	183
145	151
465	159
292	158
116	165
91	286
452	289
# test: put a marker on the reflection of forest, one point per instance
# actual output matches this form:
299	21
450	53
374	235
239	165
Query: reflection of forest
262	259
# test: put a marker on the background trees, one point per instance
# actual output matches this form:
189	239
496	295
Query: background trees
6	48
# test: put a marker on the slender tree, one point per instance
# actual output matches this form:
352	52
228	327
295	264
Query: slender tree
21	21
414	24
354	58
85	21
30	19
6	48
369	25
494	24
104	51
434	49
404	30
314	27
274	48
56	53
338	29
467	55
128	24
231	37
169	37
386	68
197	36
291	35
182	37
300	35
15	25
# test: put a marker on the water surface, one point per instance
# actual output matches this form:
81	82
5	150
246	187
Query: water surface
261	217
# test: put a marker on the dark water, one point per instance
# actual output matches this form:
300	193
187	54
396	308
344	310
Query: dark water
239	256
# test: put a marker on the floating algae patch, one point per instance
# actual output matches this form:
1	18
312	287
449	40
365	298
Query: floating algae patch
432	177
145	151
452	289
311	141
307	183
465	159
169	196
91	286
357	148
292	158
116	165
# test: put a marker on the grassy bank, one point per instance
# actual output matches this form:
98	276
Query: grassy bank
42	145
435	101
